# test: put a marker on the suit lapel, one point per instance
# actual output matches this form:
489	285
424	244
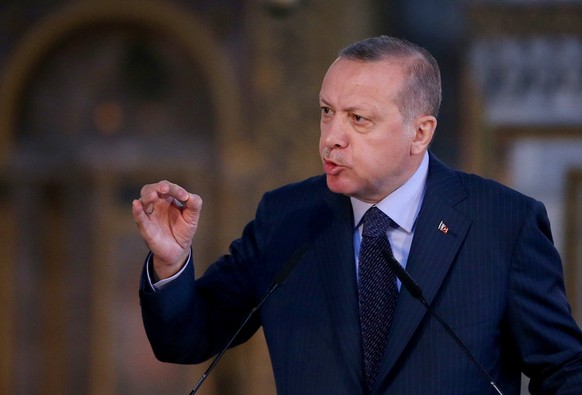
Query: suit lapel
431	255
335	256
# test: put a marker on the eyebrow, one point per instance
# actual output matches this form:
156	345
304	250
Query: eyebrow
323	101
355	109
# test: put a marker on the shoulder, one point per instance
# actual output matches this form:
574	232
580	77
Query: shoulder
312	184
482	200
461	185
311	191
302	203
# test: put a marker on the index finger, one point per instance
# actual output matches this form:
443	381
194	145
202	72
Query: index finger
163	189
168	189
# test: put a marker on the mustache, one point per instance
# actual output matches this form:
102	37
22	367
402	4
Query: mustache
334	156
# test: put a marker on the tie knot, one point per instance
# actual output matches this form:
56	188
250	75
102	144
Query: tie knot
375	223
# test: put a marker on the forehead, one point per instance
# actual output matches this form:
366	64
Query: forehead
380	78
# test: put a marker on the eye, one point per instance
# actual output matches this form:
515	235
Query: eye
358	119
326	112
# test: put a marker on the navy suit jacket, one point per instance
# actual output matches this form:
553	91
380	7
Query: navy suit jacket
494	277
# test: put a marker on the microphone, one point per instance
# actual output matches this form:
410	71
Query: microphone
414	289
277	282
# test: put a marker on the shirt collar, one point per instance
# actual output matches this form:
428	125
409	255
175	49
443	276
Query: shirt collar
402	205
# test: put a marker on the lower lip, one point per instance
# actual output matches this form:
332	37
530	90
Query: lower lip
331	168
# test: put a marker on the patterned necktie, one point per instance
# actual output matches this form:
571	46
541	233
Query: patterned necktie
378	291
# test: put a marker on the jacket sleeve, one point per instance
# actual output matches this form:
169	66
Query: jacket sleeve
539	315
188	320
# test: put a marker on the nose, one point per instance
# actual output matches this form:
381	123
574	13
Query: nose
333	133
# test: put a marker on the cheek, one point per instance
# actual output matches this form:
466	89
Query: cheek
321	142
372	151
379	158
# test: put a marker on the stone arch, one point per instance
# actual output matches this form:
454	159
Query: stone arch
201	48
184	28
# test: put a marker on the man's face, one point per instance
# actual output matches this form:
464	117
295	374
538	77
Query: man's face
366	149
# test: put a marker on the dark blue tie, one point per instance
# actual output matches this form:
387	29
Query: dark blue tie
378	291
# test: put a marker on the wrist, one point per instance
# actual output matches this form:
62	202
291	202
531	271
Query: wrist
162	269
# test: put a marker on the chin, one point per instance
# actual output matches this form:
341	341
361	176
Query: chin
336	185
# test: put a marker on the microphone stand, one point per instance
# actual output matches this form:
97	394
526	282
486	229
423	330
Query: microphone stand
416	292
279	280
227	346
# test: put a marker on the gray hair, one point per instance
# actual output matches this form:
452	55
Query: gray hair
421	92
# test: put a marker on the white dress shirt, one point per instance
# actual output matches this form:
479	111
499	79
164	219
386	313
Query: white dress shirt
402	206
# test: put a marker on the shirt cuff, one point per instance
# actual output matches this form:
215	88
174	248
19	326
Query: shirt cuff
157	286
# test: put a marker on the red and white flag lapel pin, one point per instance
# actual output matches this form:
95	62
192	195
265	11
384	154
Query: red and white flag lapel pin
443	227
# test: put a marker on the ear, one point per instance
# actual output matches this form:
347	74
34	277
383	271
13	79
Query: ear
424	127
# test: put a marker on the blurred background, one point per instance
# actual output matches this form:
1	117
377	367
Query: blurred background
99	97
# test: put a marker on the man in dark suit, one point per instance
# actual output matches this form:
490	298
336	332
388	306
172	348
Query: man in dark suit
482	254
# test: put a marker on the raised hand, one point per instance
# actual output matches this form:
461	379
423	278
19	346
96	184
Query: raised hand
167	218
